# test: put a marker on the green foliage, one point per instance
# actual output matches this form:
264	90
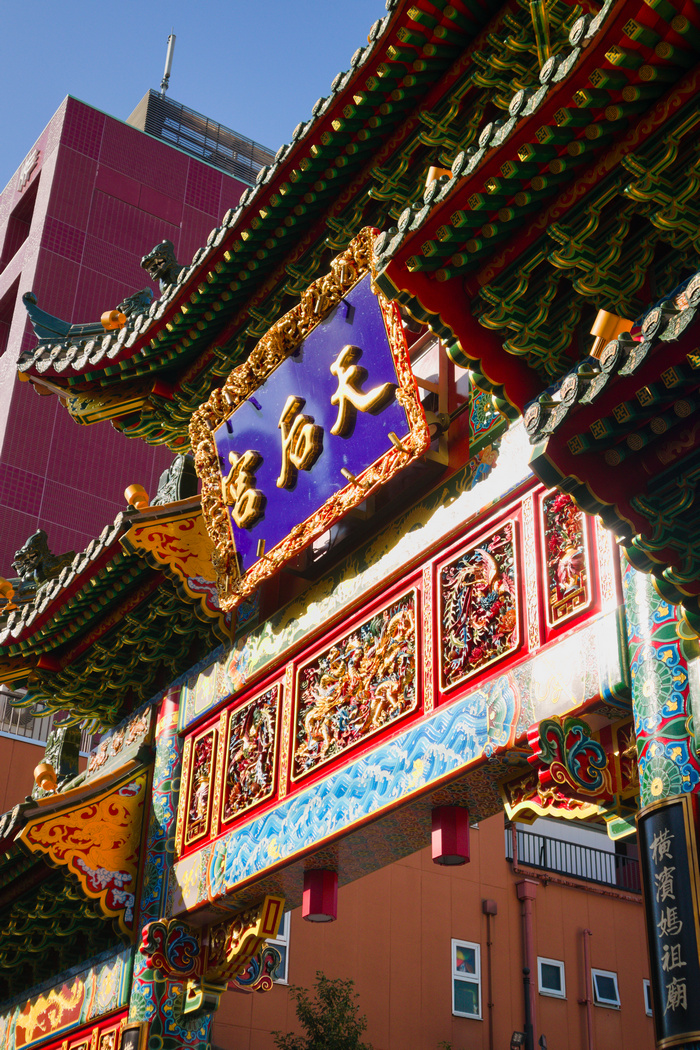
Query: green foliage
329	1019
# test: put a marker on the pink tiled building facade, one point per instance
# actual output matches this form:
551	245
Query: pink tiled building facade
91	197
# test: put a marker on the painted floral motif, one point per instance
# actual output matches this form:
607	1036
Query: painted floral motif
200	787
252	746
483	416
479	612
360	684
566	754
566	557
660	686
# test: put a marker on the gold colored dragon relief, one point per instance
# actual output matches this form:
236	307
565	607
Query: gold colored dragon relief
50	1012
233	943
282	339
363	682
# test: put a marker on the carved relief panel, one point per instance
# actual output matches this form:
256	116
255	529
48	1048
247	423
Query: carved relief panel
566	558
200	786
249	755
479	615
350	690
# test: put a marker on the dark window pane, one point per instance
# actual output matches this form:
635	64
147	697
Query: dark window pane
606	991
466	997
550	977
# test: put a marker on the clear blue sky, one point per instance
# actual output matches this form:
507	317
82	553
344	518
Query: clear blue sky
257	66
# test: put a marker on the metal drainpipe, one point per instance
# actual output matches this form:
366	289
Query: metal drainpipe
589	994
489	909
527	890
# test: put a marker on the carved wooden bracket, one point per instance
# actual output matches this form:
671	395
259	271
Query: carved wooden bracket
569	758
210	959
576	772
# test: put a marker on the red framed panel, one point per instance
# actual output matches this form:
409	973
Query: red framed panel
199	780
566	559
238	758
520	576
248	755
363	681
105	1034
579	572
109	1037
479	603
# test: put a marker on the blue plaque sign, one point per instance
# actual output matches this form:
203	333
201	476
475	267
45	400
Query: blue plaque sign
324	411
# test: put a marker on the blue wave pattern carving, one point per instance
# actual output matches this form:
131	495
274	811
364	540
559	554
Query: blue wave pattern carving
448	741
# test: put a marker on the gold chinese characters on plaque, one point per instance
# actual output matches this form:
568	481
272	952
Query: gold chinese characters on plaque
324	412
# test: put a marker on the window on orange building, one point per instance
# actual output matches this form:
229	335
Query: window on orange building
466	979
281	943
605	990
647	998
550	978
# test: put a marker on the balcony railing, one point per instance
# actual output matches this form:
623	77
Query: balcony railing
579	862
21	722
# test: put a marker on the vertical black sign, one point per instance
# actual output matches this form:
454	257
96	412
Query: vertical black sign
671	881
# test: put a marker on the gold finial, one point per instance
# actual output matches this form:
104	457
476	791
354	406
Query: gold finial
45	777
434	172
7	592
607	326
112	320
136	496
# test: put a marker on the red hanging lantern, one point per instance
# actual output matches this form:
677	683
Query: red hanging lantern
320	901
450	837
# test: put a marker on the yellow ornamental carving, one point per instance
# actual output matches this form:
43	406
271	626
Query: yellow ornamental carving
98	841
180	545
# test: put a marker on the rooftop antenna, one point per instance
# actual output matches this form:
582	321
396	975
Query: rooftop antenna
168	64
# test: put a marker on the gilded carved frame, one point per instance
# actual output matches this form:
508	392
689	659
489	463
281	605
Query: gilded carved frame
276	345
476	541
413	599
223	823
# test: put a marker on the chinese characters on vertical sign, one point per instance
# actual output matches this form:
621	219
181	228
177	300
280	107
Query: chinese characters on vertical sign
311	425
669	859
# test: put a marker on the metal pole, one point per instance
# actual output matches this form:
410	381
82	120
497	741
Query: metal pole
489	944
589	996
168	65
529	1045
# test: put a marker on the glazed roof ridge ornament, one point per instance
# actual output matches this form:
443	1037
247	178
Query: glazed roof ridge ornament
50	330
161	265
